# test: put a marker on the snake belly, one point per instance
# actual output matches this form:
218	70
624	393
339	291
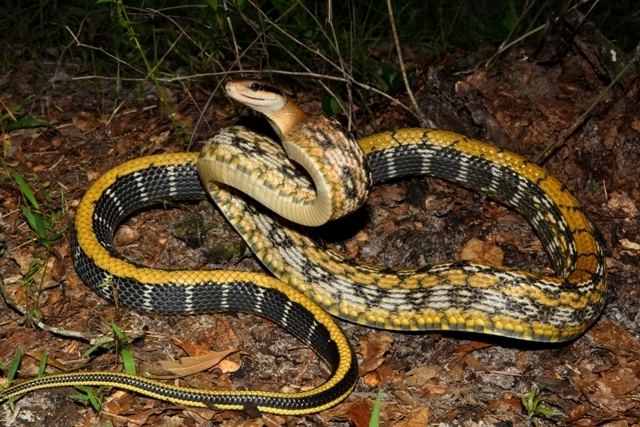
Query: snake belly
463	296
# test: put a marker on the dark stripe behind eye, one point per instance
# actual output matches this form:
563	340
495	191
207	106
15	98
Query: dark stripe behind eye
261	86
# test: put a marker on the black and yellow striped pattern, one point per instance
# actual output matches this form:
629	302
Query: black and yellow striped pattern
455	296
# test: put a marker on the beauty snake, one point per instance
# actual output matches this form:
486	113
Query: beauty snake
310	282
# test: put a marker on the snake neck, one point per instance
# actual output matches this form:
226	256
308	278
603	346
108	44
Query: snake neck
285	120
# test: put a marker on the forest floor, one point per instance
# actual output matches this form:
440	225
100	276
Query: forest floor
425	378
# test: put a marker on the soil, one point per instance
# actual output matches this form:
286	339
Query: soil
519	103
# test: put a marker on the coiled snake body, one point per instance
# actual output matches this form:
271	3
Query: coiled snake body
463	296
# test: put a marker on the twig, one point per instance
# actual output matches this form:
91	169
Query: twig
236	51
182	31
305	74
348	79
505	43
263	32
239	57
552	147
508	46
403	70
504	47
93	339
99	49
346	71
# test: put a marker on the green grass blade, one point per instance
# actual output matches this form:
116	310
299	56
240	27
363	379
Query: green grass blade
15	364
24	188
375	412
36	222
25	124
44	358
125	352
128	361
87	395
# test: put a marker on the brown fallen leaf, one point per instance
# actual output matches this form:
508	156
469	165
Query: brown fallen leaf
630	245
469	346
615	338
201	416
416	418
192	349
193	364
126	235
51	360
140	418
603	392
371	379
482	251
470	362
119	402
373	351
360	413
576	416
225	333
227	366
418	377
392	194
620	203
621	380
85	121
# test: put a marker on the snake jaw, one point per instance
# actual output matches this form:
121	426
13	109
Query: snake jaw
282	112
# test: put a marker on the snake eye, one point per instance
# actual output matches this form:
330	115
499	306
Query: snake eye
256	86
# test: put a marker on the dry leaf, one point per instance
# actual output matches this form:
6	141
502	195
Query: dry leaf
631	245
472	363
373	350
193	364
85	121
469	346
190	348
620	202
482	251
227	366
615	338
392	194
126	235
371	379
418	417
360	413
418	377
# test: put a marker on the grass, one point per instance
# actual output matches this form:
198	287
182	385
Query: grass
375	411
94	396
88	396
534	405
43	220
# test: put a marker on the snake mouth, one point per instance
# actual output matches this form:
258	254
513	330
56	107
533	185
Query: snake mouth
256	94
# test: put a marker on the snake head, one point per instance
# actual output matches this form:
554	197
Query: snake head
283	113
256	95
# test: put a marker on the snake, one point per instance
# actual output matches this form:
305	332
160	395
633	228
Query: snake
258	186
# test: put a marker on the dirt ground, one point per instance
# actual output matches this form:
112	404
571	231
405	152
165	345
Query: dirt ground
518	103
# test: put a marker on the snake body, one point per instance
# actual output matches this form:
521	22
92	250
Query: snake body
463	296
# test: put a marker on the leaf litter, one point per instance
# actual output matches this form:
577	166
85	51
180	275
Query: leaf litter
459	379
